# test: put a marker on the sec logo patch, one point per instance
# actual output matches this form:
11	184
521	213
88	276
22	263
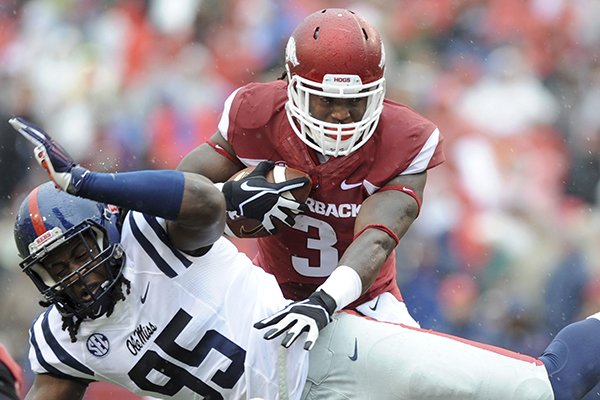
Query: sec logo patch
98	345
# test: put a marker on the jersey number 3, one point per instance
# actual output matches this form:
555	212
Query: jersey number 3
179	377
324	244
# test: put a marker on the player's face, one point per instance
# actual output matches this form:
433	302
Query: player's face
72	262
337	110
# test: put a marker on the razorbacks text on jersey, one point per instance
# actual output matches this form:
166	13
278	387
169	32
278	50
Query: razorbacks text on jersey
180	332
255	123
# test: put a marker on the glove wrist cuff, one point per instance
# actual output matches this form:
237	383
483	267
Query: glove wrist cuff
343	285
78	178
325	300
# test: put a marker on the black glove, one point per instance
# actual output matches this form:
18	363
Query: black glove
52	157
255	197
310	316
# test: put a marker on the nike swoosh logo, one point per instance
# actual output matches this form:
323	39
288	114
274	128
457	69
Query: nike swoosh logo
143	298
354	356
248	188
251	232
348	186
374	306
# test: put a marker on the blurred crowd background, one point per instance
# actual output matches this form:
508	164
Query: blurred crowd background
506	249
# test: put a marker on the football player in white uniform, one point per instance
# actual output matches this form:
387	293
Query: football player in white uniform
157	301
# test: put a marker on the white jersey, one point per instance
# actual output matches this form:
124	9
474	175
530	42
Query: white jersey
184	332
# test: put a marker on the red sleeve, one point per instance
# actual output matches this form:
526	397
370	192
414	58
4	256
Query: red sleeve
251	118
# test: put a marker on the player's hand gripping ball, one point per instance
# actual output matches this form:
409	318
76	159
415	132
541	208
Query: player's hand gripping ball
265	198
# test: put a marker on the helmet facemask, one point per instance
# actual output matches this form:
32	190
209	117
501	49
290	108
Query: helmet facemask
332	138
71	291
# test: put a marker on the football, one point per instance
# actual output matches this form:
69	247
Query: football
243	227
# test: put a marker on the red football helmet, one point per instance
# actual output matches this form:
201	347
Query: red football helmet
334	53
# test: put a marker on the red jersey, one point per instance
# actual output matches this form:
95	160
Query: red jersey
255	123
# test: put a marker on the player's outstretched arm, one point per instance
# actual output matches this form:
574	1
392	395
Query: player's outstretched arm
194	208
382	221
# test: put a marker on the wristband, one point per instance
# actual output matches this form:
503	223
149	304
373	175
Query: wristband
343	285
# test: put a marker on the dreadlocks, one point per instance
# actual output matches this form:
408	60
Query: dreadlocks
71	322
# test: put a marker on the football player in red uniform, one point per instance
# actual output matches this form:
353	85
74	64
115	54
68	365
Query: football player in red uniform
368	158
